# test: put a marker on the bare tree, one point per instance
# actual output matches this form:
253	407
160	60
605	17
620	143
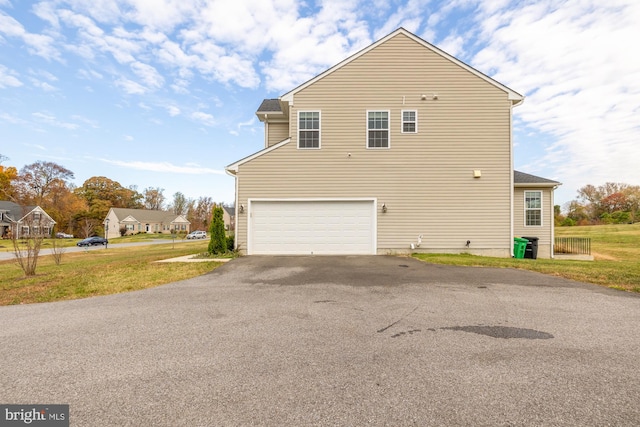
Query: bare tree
57	251
153	198
38	179
87	225
180	204
27	243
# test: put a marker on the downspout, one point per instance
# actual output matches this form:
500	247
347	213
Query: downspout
553	222
511	180
266	132
512	189
235	231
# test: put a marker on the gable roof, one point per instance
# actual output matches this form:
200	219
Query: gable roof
16	212
521	179
514	96
145	215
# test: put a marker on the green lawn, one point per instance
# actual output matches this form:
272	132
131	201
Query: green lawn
100	272
616	249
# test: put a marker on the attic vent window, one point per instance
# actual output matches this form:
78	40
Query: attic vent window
377	129
309	129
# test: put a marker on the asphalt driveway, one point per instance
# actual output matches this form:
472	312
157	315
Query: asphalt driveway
296	341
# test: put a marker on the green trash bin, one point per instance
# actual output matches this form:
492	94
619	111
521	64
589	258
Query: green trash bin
519	247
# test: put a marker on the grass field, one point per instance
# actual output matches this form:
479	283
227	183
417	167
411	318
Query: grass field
616	249
100	272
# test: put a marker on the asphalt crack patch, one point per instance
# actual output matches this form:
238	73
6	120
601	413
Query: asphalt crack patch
505	332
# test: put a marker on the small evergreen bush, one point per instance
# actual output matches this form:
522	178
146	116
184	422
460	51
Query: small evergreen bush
218	242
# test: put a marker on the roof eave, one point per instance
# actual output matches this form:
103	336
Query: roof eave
537	184
232	169
263	116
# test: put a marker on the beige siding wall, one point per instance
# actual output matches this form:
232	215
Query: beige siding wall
544	232
425	179
277	132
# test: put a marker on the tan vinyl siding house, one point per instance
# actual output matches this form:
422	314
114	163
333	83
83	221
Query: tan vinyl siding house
134	221
436	174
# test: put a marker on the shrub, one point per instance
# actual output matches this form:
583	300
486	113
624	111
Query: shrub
218	242
230	241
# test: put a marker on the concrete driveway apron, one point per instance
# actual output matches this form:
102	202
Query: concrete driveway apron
296	341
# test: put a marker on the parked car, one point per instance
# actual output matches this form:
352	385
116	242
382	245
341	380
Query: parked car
64	236
92	241
197	235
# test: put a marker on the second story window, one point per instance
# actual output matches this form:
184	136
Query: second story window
309	129
377	129
409	121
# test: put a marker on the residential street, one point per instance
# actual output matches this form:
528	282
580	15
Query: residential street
315	341
10	255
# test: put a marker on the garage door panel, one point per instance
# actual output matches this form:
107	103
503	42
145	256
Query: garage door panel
312	227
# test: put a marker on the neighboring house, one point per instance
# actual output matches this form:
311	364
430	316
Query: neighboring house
229	215
24	221
399	148
134	221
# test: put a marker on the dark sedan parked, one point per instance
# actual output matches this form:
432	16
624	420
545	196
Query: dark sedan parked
92	241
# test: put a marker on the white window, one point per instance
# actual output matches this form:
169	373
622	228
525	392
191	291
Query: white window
309	129
409	121
377	129
533	208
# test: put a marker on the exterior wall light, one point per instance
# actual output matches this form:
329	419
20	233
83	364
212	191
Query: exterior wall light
241	209
384	207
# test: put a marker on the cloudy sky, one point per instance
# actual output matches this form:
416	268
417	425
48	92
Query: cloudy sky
163	93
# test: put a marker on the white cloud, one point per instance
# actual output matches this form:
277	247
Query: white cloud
173	110
93	123
148	74
204	118
307	46
89	74
38	44
130	87
583	85
51	120
8	78
453	45
180	87
164	167
43	85
12	119
160	15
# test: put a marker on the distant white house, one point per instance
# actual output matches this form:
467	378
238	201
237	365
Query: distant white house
24	221
134	221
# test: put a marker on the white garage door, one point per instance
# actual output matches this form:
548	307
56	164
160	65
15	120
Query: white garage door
312	227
